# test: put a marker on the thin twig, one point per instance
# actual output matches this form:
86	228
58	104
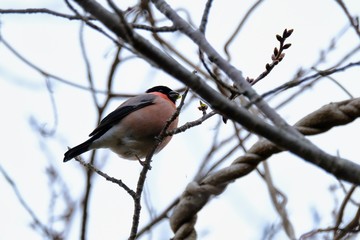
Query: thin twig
238	28
154	29
36	221
297	82
161	216
42	71
87	64
106	176
354	21
41	10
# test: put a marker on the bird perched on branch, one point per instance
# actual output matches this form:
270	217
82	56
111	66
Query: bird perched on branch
132	128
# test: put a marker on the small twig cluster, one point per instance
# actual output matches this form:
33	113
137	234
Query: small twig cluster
278	53
277	56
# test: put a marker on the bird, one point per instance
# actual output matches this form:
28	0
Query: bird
131	130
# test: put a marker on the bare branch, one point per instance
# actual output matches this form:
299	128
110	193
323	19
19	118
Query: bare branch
104	175
49	233
297	82
154	29
40	10
353	21
238	28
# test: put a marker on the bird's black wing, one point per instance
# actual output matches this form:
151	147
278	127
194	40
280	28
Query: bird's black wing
115	116
110	120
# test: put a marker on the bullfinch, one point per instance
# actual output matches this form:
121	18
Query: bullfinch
132	128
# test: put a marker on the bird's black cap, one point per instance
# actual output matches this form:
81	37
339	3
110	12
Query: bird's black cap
171	94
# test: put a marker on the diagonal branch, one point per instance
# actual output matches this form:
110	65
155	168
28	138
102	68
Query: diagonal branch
39	10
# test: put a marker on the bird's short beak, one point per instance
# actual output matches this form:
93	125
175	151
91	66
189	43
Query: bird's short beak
174	95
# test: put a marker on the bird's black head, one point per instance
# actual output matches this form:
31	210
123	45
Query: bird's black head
171	94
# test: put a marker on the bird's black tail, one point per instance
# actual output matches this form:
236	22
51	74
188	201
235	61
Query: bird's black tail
79	149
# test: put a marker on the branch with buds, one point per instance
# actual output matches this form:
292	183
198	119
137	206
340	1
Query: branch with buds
277	55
